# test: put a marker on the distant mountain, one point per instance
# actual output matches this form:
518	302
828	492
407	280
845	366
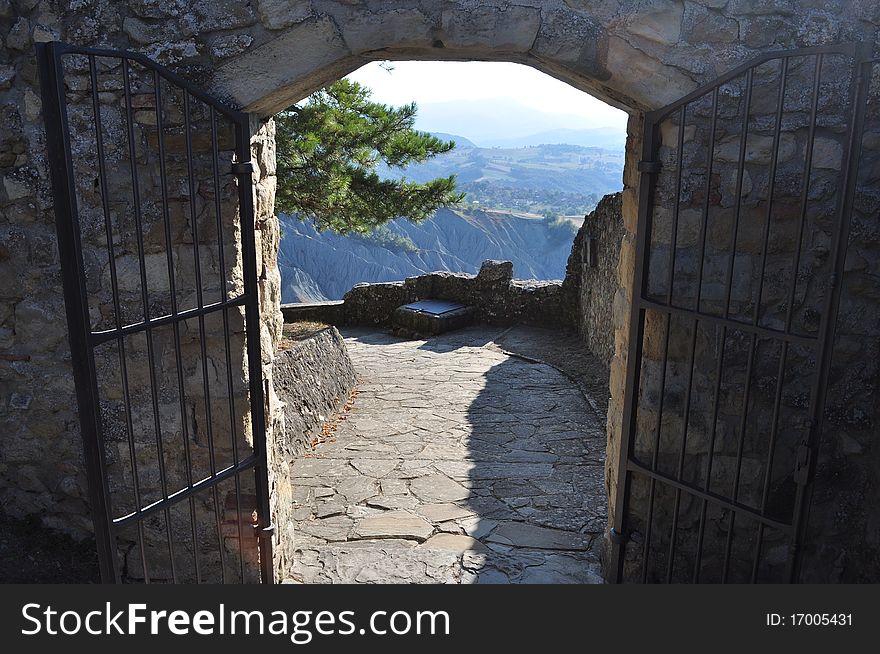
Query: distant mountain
460	141
599	137
493	122
321	265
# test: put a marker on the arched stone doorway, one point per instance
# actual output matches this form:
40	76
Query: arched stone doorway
262	56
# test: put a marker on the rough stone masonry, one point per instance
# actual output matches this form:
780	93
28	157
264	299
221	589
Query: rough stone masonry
262	55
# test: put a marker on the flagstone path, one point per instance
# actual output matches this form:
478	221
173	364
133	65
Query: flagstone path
457	463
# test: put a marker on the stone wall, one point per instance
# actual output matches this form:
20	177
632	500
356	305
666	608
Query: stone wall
331	312
591	275
496	296
313	379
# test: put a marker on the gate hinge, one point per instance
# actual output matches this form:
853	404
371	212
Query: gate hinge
649	166
616	537
264	532
242	168
802	465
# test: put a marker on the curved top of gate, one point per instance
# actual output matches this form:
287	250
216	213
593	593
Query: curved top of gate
852	49
59	49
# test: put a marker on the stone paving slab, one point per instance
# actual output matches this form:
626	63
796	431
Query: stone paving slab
457	463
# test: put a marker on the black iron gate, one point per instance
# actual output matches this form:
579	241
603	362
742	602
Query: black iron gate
745	196
155	220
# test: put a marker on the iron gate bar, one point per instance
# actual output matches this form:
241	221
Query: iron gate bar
820	343
750	328
771	189
634	466
201	303
221	246
618	535
99	337
175	326
83	340
145	300
183	493
70	256
265	528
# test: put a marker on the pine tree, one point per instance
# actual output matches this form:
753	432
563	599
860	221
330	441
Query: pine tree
328	149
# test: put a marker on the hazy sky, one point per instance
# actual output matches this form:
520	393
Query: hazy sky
428	82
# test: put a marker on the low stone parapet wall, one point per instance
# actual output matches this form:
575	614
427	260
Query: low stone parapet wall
330	312
495	295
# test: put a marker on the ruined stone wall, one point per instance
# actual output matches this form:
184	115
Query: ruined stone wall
591	275
496	297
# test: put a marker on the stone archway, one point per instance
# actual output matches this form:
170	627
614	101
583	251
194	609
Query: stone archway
628	57
263	55
613	57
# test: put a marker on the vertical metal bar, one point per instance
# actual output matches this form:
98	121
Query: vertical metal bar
739	452
215	164
807	174
206	385
739	185
154	396
255	368
669	292
716	401
840	241
756	562
719	372
75	300
771	185
175	325
675	209
705	220
699	287
634	354
117	309
756	311
682	452
771	450
656	451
